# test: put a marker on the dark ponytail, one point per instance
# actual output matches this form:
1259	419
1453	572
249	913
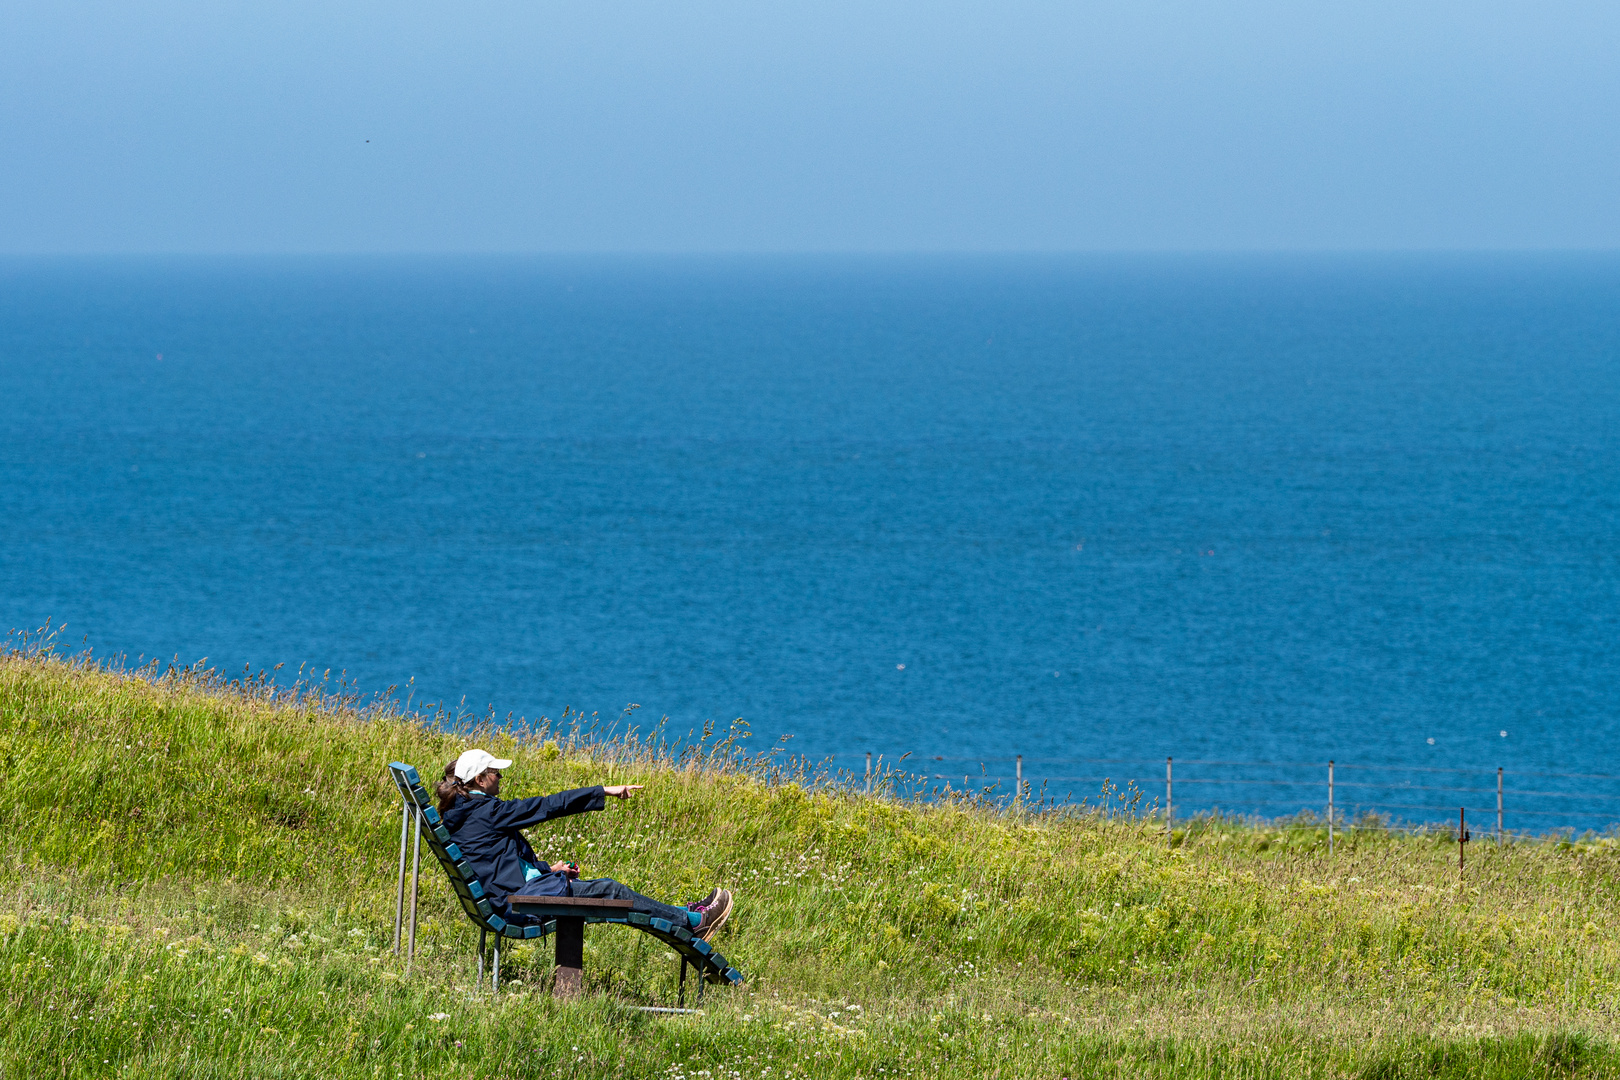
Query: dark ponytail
449	789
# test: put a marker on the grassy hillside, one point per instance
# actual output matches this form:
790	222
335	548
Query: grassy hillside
198	880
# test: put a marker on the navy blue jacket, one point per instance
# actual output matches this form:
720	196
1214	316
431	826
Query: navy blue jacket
489	833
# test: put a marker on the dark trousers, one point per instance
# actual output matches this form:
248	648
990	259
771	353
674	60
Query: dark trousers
603	888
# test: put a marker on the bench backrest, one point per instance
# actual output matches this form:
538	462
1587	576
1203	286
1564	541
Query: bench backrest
468	889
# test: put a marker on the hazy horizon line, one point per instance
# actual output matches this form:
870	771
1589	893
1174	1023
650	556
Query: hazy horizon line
722	253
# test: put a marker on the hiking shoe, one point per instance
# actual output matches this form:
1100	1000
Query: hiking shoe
699	905
715	914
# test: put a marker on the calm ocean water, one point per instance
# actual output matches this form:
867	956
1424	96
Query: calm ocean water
1279	509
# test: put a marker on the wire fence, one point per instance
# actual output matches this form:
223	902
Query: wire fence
1490	800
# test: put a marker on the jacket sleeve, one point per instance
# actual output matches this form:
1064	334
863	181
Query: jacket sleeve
521	813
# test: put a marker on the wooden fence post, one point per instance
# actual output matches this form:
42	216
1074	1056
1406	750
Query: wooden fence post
1169	813
1498	806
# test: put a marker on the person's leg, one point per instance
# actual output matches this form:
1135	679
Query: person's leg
608	889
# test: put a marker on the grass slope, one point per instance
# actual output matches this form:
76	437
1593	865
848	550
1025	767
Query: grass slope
198	880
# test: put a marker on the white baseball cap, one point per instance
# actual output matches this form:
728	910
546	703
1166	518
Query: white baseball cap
473	762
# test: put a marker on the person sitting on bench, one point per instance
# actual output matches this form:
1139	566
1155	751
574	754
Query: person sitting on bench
489	832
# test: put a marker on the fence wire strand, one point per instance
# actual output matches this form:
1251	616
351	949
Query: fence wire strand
1367	793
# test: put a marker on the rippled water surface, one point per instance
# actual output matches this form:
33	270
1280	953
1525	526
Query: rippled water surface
1254	509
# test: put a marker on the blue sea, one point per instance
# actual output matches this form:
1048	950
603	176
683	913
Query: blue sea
1095	511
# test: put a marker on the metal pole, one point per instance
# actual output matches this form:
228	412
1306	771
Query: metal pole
495	972
483	936
1330	806
1169	814
416	880
869	772
1019	769
1498	806
399	905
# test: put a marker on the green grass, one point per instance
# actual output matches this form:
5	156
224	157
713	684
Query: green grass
198	880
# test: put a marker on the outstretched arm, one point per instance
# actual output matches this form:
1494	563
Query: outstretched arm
521	813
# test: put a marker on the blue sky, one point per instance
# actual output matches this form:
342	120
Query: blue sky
630	125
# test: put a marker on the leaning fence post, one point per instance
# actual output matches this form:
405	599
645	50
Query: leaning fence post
1499	806
1169	818
869	772
1330	806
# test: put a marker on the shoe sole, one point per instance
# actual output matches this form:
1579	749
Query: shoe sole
720	920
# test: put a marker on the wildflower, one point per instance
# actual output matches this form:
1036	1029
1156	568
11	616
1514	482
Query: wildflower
438	1018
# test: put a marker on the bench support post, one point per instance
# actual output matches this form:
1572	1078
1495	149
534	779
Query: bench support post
680	993
416	880
399	905
570	979
483	936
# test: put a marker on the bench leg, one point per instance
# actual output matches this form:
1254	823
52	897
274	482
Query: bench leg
680	993
570	980
483	937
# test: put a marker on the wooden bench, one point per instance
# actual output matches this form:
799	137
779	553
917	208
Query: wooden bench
565	916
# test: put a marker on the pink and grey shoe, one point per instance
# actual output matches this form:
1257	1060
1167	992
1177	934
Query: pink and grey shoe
715	911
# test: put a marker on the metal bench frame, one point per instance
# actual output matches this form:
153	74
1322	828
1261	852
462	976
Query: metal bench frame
564	916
